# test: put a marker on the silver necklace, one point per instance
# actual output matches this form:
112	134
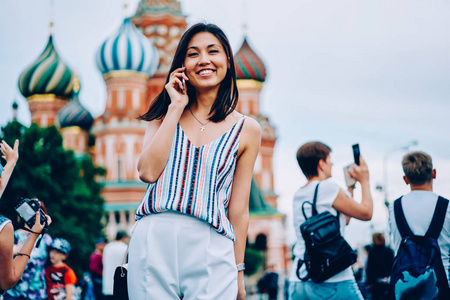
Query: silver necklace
203	124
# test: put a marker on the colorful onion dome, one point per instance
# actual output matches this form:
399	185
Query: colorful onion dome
47	75
128	49
74	114
158	6
248	64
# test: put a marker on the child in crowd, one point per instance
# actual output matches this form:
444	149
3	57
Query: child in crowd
60	278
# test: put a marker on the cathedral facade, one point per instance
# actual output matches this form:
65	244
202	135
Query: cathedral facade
134	62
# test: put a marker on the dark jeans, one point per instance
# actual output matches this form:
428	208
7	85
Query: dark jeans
97	287
380	291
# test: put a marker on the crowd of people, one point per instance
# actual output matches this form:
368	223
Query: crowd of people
417	264
189	238
32	262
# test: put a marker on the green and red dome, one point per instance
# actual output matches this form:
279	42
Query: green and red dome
248	64
47	75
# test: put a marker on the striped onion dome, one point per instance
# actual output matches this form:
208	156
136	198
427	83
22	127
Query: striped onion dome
248	64
74	114
128	49
158	6
47	75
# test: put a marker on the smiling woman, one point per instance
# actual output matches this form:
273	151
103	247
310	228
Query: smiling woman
198	157
206	62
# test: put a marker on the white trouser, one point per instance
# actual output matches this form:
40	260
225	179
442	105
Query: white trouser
172	255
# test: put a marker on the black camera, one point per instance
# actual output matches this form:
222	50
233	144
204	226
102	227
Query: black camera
26	209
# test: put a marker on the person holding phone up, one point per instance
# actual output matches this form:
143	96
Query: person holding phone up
198	157
13	265
315	163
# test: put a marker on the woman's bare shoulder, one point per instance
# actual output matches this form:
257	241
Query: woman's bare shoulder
251	133
249	123
252	126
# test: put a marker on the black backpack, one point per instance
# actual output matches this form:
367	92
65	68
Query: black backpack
327	252
418	272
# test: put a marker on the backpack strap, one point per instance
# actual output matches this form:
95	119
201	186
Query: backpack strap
400	219
313	204
437	222
314	209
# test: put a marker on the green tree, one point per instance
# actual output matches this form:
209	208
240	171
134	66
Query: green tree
66	184
253	260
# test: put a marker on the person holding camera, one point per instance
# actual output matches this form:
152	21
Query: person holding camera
13	264
32	283
315	163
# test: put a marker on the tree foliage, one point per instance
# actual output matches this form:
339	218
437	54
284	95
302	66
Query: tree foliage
66	184
253	259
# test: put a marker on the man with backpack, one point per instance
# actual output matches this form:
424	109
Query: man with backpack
420	228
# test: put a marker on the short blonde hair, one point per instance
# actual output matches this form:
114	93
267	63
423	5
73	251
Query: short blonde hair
418	167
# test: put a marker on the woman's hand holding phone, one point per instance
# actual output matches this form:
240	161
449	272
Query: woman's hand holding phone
176	88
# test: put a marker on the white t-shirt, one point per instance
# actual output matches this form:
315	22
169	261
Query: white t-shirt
418	207
326	195
113	255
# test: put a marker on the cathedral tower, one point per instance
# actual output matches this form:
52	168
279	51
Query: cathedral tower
163	23
127	59
251	73
266	227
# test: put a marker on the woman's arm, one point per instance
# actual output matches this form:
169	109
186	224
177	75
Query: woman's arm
238	211
348	206
11	155
12	270
159	134
157	143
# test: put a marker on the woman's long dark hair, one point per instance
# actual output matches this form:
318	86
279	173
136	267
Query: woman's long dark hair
227	96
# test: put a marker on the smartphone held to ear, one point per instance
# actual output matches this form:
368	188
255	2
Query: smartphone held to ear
183	81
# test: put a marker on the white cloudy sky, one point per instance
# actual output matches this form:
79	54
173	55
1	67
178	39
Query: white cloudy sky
373	72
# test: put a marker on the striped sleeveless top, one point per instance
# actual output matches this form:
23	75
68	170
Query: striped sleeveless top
197	181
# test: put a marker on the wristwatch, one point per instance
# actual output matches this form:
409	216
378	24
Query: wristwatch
240	267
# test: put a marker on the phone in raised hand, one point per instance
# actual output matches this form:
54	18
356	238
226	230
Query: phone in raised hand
356	153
